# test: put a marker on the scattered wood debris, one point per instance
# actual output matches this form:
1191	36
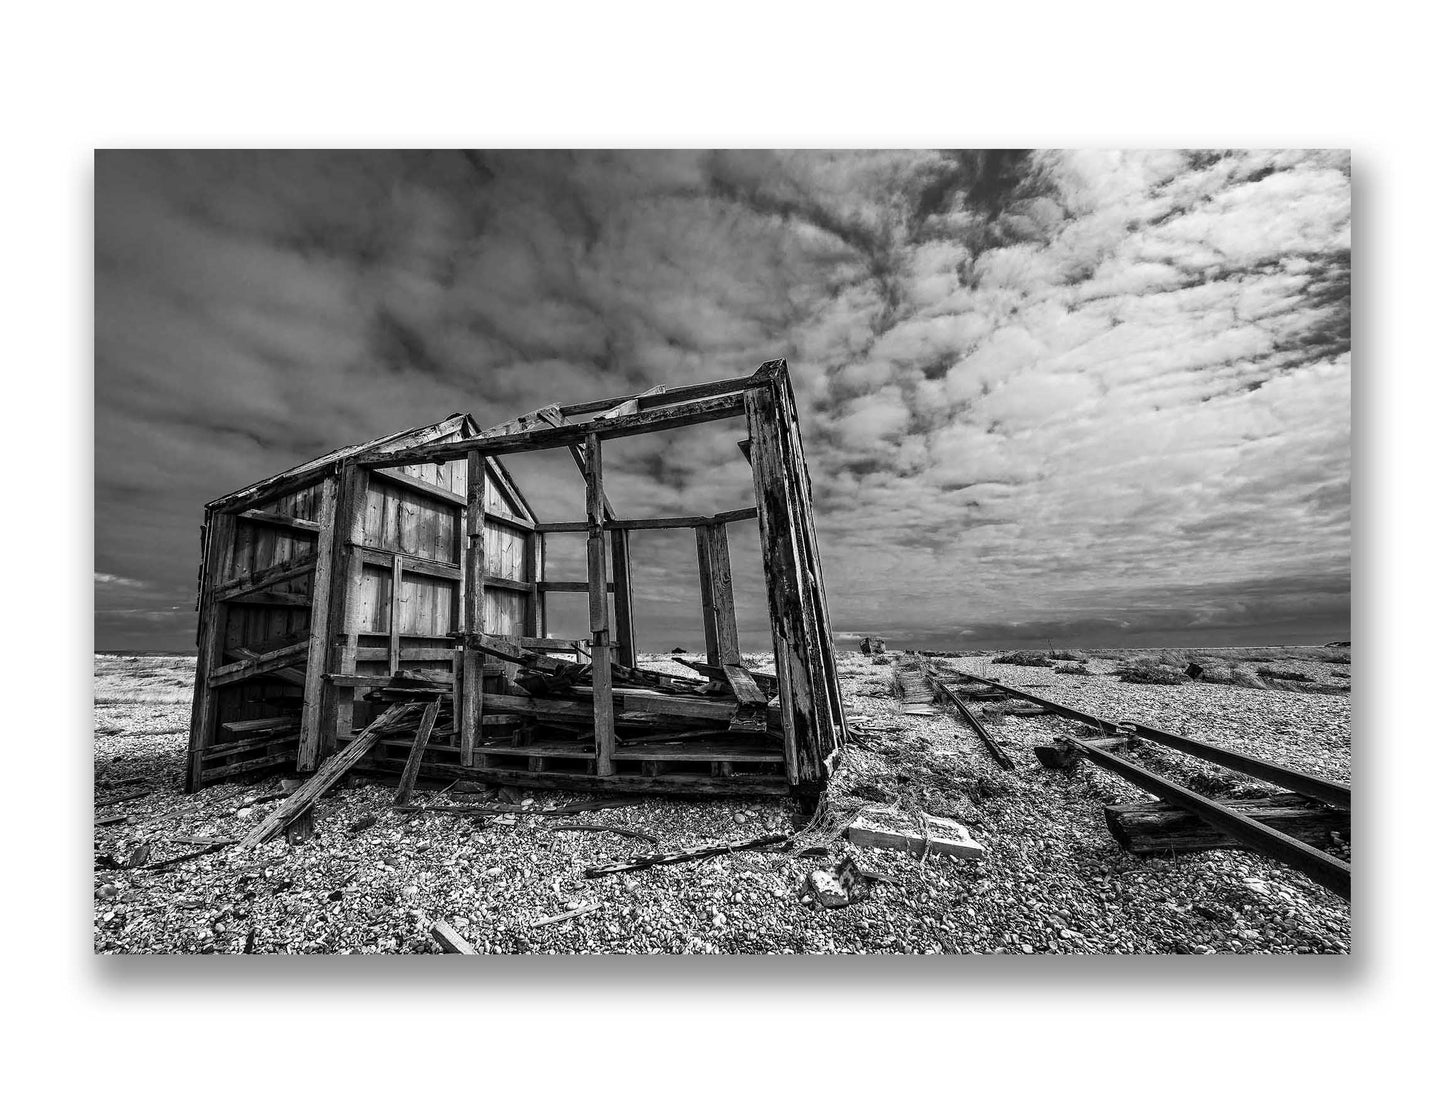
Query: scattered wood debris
572	914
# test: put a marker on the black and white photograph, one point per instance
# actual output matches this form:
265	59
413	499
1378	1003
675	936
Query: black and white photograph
722	551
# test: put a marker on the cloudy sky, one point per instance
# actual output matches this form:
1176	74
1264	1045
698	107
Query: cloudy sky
1088	397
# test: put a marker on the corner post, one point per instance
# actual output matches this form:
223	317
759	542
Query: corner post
308	752
470	708
602	722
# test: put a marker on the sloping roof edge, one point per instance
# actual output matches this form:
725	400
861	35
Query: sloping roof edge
458	419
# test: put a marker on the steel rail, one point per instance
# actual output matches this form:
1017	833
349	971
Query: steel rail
1000	756
1315	864
1321	789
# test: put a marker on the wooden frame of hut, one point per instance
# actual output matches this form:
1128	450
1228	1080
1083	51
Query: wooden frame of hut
417	552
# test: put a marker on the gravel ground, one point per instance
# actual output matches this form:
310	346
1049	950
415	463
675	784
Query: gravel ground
1052	879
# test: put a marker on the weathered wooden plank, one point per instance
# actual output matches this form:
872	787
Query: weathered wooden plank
602	721
415	565
656	397
407	654
347	611
691	521
283	521
315	787
720	576
418	748
745	687
569	586
709	614
562	436
1156	827
780	572
220	530
472	705
449	940
262	664
308	749
260	580
622	611
394	617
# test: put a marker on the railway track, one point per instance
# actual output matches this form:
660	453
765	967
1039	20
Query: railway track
1116	735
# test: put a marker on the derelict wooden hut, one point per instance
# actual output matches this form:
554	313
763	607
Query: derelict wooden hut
418	553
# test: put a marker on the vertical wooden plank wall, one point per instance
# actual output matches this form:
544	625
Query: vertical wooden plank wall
212	633
597	607
308	751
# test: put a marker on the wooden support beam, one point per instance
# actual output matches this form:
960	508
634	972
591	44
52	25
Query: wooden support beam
418	748
709	613
280	573
308	749
563	436
413	565
282	521
537	600
569	586
346	604
394	618
262	664
690	521
603	731
622	598
725	618
472	705
663	396
220	533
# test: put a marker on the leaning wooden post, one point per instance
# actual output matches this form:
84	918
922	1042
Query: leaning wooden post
308	752
597	603
470	708
622	598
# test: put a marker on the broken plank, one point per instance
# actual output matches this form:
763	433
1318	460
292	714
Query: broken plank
330	773
745	687
413	760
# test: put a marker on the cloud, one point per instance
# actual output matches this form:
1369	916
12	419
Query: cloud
1037	388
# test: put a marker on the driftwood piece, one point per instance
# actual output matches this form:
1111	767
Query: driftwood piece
1152	827
449	940
668	858
318	784
573	826
561	916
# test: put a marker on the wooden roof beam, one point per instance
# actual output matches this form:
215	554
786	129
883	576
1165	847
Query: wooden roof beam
564	436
